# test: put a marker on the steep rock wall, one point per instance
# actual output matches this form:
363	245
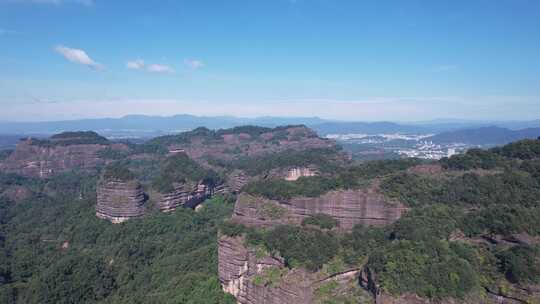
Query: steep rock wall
236	180
242	273
367	207
44	161
119	201
297	172
186	196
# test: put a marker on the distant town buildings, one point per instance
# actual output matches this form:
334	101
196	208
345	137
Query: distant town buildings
406	145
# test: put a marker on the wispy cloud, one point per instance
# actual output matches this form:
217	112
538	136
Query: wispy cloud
136	64
78	56
160	68
193	63
139	64
445	68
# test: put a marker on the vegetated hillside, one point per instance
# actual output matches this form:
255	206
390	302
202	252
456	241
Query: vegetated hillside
472	233
54	250
485	136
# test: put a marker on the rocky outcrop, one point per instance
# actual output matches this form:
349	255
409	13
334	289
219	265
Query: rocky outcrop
254	278
366	207
36	160
185	195
119	201
236	180
297	172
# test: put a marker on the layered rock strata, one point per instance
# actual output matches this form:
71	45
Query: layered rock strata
245	274
366	207
119	201
297	172
185	196
35	160
236	180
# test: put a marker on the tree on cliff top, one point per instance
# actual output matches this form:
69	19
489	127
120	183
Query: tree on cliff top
72	138
117	171
179	168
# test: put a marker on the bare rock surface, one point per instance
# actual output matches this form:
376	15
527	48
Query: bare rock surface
297	172
35	160
119	201
244	274
367	207
185	195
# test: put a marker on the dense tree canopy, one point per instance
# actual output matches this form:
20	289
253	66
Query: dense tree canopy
179	168
54	250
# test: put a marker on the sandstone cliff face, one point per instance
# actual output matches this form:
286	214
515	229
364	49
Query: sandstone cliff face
236	180
297	172
44	161
245	275
185	196
349	207
119	201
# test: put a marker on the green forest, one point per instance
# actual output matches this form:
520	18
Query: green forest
458	240
54	250
482	196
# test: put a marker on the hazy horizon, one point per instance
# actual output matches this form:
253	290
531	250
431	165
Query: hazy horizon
322	118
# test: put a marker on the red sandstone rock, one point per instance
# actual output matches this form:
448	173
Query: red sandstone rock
119	201
367	207
44	161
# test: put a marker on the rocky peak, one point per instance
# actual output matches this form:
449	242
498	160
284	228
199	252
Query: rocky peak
62	152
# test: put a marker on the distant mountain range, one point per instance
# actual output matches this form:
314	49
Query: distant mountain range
485	136
474	132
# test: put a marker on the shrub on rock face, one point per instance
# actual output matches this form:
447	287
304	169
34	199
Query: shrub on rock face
231	229
310	248
324	221
118	172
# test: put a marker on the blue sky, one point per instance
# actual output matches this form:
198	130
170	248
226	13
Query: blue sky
351	60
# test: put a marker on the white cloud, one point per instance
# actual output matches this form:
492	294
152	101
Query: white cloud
194	63
136	64
160	68
78	56
139	64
